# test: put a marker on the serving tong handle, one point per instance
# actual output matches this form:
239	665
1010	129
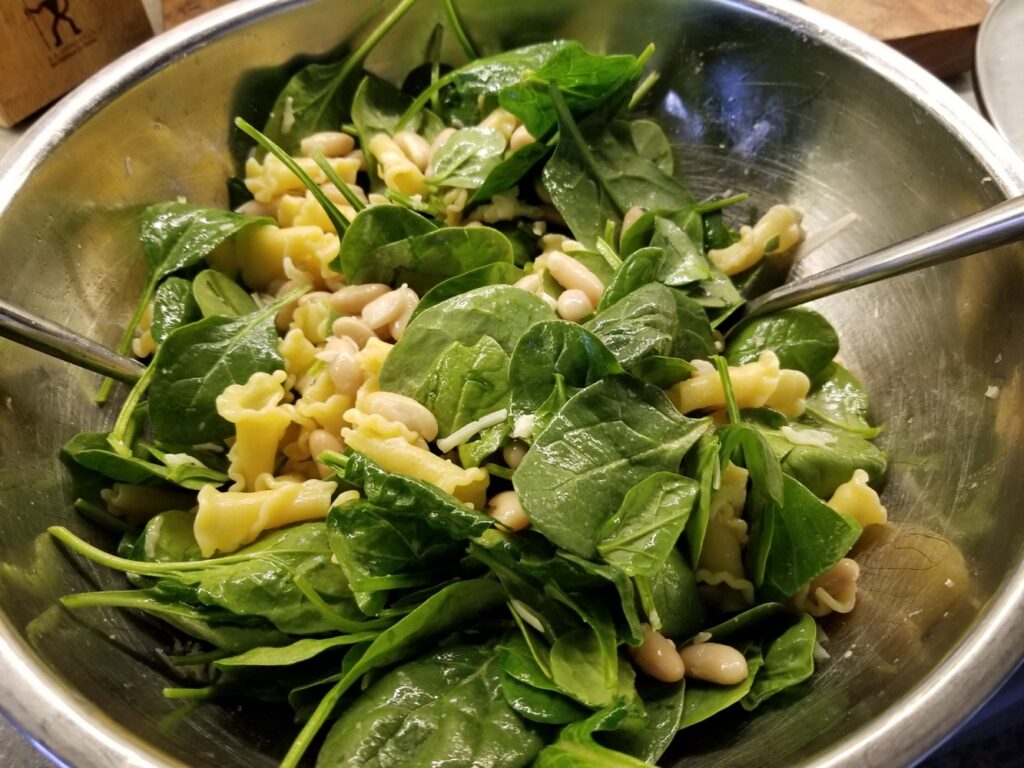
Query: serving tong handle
990	228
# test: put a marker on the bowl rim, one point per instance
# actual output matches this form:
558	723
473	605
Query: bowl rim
67	726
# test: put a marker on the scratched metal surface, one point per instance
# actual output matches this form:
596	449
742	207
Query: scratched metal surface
758	99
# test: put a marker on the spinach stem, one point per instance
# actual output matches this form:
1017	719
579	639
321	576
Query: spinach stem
195	659
459	31
101	517
434	47
317	719
643	89
336	216
730	397
129	333
337	181
332	617
208	692
421	101
568	124
716	205
120	437
360	53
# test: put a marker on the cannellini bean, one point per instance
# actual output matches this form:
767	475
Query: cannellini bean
352	298
573	305
572	274
415	147
656	656
502	121
331	143
520	138
397	327
402	409
569	245
385	309
714	663
531	283
514	452
346	374
508	511
321	440
353	328
630	218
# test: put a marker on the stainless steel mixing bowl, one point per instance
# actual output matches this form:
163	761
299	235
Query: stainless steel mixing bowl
761	96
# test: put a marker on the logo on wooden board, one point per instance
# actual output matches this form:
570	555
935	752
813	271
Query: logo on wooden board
55	22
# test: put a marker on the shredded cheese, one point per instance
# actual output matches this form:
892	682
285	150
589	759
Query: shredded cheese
460	436
812	437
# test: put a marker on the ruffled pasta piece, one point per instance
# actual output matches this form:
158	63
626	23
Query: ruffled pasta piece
502	121
835	591
371	359
398	171
775	232
271	178
299	354
790	396
313	318
305	211
725	591
398	449
260	419
262	251
228	520
856	499
752	385
721	556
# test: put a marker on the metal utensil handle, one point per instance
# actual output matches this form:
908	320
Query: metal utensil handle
999	225
57	341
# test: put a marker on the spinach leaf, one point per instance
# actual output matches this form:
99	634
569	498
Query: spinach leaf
823	468
674	597
383	548
661	371
663	705
751	624
585	80
445	708
704	465
551	349
92	451
199	361
217	294
704	700
640	268
642	533
508	173
606	439
684	262
497	273
402	495
373	228
467	157
166	537
839	399
693	338
652	144
377	107
317	96
540	705
295	653
454	357
173	306
448	610
576	747
808	538
788	662
423	261
596	175
803	340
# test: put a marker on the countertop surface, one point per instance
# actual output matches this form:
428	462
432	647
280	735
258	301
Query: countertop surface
992	738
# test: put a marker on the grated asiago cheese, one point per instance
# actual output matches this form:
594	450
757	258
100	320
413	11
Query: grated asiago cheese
811	437
460	436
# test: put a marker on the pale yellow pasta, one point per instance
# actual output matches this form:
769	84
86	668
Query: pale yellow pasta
790	395
313	318
321	405
504	207
271	178
398	449
227	520
721	559
262	251
752	385
776	232
143	345
398	172
835	591
305	211
260	419
856	499
502	121
299	355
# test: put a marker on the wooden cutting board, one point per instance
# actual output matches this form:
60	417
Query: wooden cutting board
937	34
177	11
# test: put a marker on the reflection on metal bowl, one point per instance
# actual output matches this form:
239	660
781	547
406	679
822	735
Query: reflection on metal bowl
766	97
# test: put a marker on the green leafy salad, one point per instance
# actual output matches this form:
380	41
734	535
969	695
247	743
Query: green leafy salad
448	438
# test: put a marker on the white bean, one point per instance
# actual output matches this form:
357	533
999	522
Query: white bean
573	305
346	374
387	308
352	298
656	656
397	327
631	217
321	440
514	452
520	138
331	143
415	147
352	328
531	283
507	509
714	663
402	409
572	274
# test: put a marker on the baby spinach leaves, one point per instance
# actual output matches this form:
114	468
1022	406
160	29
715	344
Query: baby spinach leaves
788	662
603	441
373	228
173	306
803	340
217	294
497	273
92	451
446	707
838	398
704	700
576	747
467	157
511	170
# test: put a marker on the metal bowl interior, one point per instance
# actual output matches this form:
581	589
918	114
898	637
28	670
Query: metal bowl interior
765	97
